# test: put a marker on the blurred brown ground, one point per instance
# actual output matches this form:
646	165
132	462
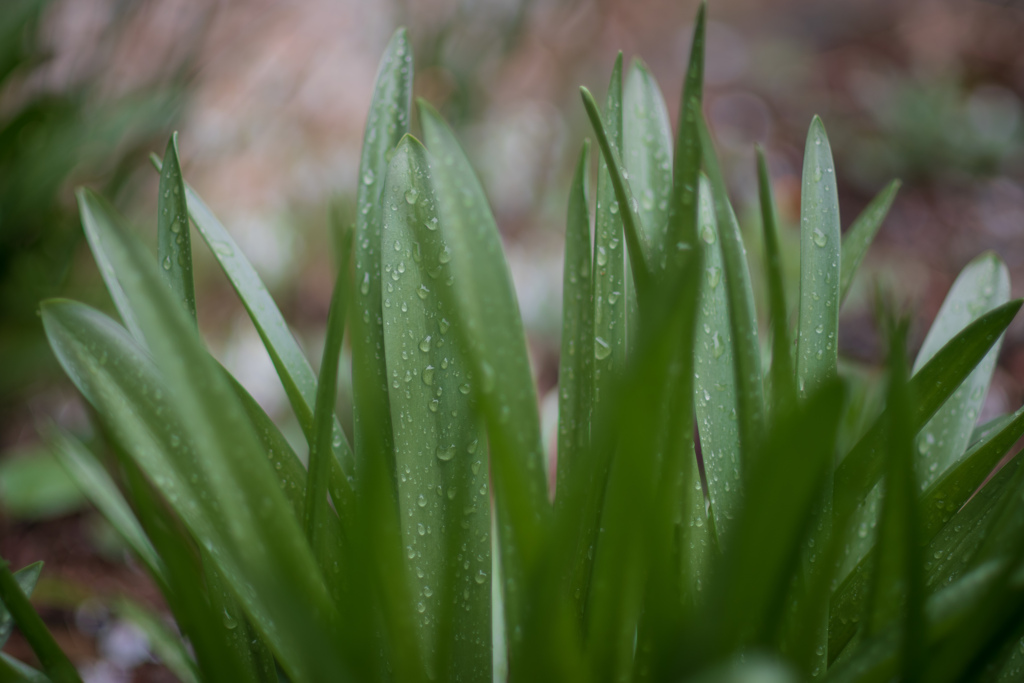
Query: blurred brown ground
277	92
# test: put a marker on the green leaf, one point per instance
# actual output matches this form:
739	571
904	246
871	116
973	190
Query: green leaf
650	487
742	316
484	303
860	235
782	486
26	578
254	539
818	326
18	672
624	204
691	147
166	644
387	122
100	489
12	596
981	286
291	365
610	298
174	242
647	152
317	511
897	591
817	331
938	504
576	362
932	385
782	377
715	379
953	549
440	451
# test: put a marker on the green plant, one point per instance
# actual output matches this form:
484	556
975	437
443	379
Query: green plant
798	562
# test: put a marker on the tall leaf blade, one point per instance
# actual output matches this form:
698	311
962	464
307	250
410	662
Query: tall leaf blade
15	601
576	362
782	484
938	504
610	293
714	378
484	302
102	492
782	378
439	453
742	316
932	385
690	143
897	591
818	326
647	151
981	286
174	241
387	123
291	364
860	235
26	578
257	533
638	247
317	512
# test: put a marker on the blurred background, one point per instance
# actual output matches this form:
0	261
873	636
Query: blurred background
270	99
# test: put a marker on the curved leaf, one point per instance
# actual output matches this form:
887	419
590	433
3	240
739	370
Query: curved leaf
576	363
439	456
484	303
715	379
860	235
173	240
388	121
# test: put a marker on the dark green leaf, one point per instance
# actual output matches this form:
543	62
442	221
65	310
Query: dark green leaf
174	242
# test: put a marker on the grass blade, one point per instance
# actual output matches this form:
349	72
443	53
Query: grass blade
13	671
484	303
742	316
639	250
981	286
689	153
818	326
165	643
576	362
442	486
938	504
610	298
782	484
292	366
647	152
388	121
174	242
26	578
860	235
55	663
816	362
715	379
645	436
932	385
253	533
100	489
782	384
317	511
897	591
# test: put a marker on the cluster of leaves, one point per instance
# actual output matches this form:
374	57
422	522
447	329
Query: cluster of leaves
781	558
